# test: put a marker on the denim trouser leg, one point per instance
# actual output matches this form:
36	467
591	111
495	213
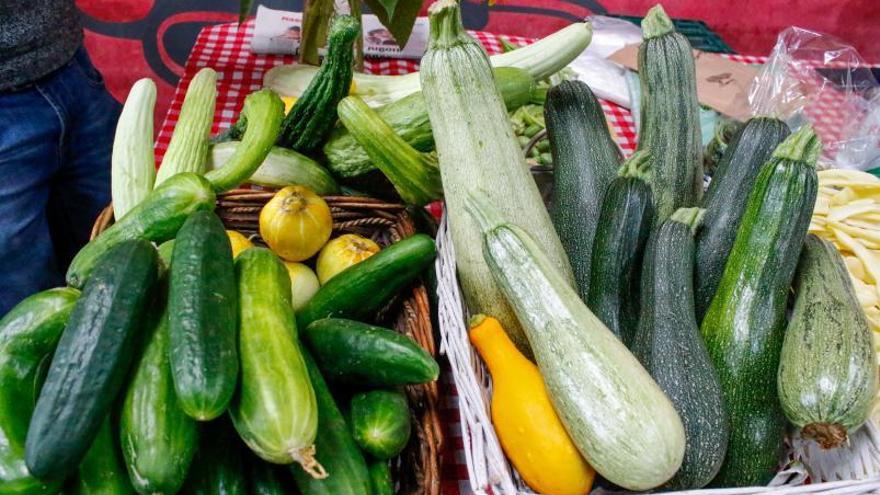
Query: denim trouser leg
55	143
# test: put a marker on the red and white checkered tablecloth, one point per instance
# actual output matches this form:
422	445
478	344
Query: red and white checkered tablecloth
225	48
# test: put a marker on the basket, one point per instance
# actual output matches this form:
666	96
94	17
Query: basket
849	470
417	469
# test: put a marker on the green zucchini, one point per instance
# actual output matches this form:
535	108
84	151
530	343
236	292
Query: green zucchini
312	117
92	359
202	317
282	167
188	148
744	325
218	467
157	218
479	152
336	449
415	175
408	118
669	346
101	471
585	161
380	477
274	409
828	369
28	336
670	120
133	163
158	438
362	289
348	351
623	226
725	203
380	422
615	413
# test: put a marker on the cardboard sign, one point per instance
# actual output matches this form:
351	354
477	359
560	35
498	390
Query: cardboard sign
722	84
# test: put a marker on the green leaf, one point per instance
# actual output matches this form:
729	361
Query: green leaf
398	16
244	9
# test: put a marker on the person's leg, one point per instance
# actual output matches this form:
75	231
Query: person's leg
30	130
81	188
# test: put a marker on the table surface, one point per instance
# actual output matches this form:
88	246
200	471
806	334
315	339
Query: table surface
225	48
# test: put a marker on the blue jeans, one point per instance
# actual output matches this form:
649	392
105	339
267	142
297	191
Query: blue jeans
55	142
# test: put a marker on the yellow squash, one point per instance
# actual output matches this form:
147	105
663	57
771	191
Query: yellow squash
530	432
296	223
238	242
343	252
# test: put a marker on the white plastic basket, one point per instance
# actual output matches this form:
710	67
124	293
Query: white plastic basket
849	470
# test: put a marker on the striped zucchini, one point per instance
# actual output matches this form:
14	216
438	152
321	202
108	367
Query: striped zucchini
133	164
670	122
281	168
745	323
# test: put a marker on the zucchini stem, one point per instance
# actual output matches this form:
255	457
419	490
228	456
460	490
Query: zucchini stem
446	29
692	217
656	23
802	146
637	166
827	435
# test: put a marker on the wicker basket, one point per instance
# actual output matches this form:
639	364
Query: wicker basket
417	469
850	470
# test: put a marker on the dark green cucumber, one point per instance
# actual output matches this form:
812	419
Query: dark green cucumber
267	479
585	161
28	336
312	117
92	359
670	120
218	467
725	201
158	438
157	218
361	289
745	323
348	351
101	471
335	448
669	346
380	422
828	369
380	478
408	117
623	227
203	317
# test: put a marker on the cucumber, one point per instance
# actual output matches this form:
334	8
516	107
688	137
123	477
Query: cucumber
670	120
267	479
101	472
336	449
745	323
202	314
828	369
157	218
28	336
360	290
158	438
92	359
585	161
669	346
282	167
218	467
274	409
380	478
351	352
380	422
725	201
623	227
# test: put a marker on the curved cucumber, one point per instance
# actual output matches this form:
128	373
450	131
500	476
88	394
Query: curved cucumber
28	336
202	314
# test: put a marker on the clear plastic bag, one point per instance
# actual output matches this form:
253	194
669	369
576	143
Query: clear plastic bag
817	78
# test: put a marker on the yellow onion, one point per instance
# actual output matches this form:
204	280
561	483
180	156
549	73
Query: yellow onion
303	284
295	223
343	252
238	242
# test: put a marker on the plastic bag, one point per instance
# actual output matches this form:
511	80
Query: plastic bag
817	78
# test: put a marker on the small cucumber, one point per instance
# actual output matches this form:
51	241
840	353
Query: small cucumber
218	468
101	471
361	289
352	352
202	314
336	449
92	359
380	422
28	336
380	478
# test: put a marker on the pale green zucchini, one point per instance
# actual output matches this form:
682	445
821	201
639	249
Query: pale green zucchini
282	167
133	164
